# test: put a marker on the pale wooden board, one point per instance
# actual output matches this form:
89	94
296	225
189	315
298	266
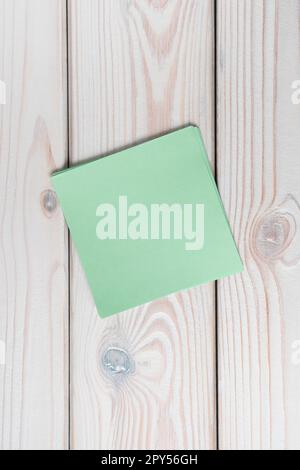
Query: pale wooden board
137	69
33	243
140	68
258	173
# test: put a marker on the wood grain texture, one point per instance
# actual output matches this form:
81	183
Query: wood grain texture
258	174
33	277
144	378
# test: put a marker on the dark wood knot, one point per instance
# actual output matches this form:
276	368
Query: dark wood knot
48	202
117	362
273	234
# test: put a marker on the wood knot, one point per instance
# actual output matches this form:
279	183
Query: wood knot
116	362
48	202
273	234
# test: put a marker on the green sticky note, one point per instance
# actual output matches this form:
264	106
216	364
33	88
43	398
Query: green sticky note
147	221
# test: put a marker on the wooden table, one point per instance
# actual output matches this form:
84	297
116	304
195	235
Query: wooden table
217	365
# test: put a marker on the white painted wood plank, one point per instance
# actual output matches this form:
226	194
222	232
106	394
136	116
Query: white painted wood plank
138	69
258	173
33	243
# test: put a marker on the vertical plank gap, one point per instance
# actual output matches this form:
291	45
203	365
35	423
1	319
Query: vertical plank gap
68	241
216	178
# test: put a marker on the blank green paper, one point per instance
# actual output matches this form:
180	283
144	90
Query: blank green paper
147	221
